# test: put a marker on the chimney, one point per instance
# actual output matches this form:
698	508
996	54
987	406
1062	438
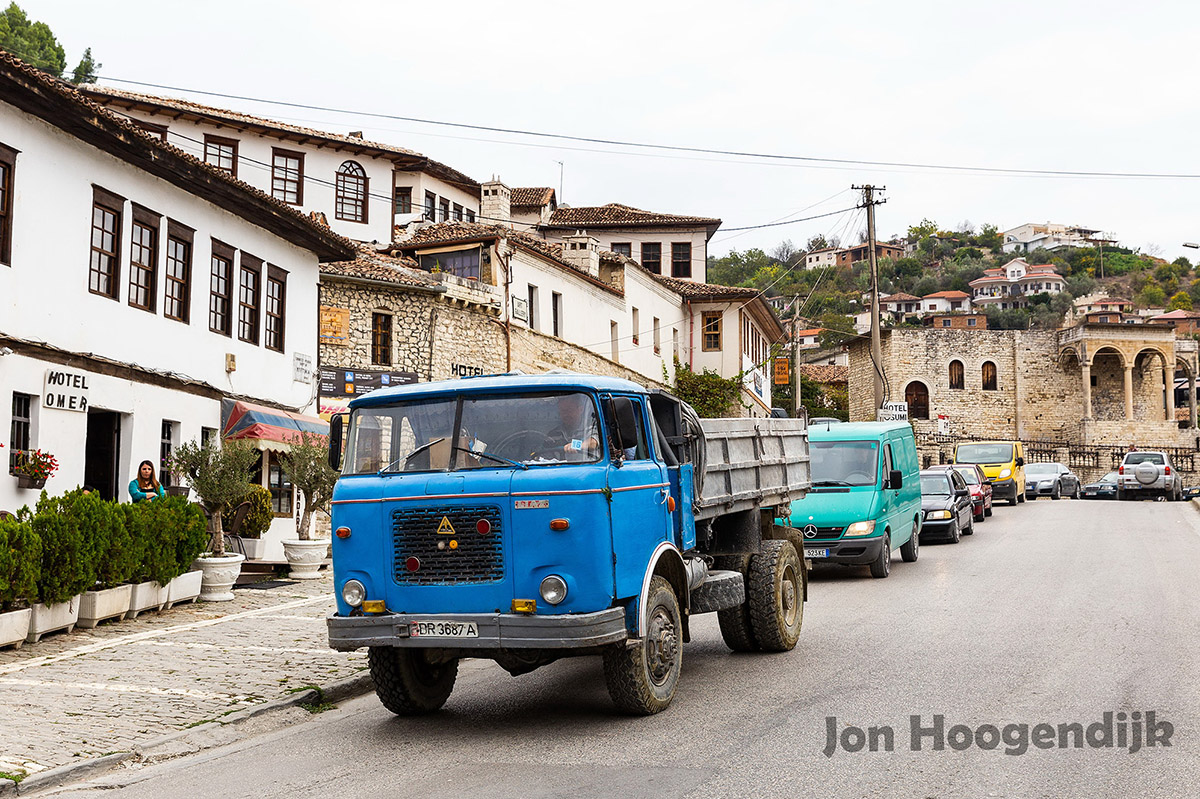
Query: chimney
355	134
495	205
582	252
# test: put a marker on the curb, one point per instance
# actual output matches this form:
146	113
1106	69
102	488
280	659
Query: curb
340	691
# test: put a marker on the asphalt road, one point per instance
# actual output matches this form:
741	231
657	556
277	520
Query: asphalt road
1053	612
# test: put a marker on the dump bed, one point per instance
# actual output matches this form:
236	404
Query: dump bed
752	463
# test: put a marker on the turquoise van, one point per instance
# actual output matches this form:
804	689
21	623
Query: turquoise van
865	497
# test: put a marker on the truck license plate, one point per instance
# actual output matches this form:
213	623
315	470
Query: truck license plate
816	553
443	629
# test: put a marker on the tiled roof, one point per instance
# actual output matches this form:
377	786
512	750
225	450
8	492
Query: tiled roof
825	373
810	332
60	103
535	196
107	94
706	291
1177	314
902	297
617	215
372	265
947	295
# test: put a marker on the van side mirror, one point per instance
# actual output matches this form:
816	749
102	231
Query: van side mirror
895	479
622	422
335	442
1020	461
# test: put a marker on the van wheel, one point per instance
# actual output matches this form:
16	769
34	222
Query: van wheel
1021	497
736	631
775	595
407	683
882	566
642	679
911	549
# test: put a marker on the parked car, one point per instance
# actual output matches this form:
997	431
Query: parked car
977	483
1050	480
1148	474
946	503
1191	492
1104	488
1003	462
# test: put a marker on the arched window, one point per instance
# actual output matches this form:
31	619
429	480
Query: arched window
989	376
956	374
917	397
350	202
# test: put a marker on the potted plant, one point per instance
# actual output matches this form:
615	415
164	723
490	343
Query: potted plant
153	565
68	569
256	522
307	466
219	474
102	524
34	467
20	567
188	537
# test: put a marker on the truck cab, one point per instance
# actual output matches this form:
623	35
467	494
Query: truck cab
521	518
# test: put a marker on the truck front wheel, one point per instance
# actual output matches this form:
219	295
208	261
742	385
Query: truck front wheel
407	683
736	631
775	594
641	679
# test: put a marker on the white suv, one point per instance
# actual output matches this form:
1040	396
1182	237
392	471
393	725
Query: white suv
1148	473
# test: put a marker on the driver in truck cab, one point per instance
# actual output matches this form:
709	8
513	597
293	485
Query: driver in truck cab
576	432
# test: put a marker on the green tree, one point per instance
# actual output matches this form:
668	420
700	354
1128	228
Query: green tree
1183	263
85	71
1181	301
1151	297
736	268
925	229
307	466
711	395
32	42
220	474
834	328
926	285
988	237
1080	284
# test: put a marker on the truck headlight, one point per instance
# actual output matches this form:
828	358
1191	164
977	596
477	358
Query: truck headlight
938	514
1005	473
861	528
554	589
353	593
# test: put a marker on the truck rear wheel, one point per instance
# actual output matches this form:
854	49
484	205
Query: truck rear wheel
407	683
736	630
641	679
775	595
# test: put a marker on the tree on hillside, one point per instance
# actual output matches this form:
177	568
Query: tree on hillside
786	253
989	237
1181	301
736	268
1151	296
924	230
1183	263
1080	284
34	43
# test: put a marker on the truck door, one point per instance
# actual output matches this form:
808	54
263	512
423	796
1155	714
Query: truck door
638	507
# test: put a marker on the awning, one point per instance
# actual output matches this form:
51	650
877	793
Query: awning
246	420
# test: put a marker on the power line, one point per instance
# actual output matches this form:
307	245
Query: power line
675	147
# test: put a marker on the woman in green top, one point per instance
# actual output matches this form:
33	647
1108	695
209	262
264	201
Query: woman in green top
145	485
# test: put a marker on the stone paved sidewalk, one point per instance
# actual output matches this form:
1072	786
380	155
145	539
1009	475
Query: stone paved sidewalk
95	692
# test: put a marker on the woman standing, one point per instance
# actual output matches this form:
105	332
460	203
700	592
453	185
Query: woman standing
145	485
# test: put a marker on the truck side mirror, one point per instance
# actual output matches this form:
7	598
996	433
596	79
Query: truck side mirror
335	442
622	422
1020	462
895	479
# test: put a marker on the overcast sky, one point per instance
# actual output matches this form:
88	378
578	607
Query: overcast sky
1053	85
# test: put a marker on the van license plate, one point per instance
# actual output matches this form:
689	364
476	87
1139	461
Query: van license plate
816	553
444	629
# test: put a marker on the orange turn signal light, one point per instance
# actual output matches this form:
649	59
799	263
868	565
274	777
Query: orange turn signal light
373	606
342	532
523	605
671	504
559	524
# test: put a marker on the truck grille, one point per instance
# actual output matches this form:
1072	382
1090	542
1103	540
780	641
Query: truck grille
826	534
476	559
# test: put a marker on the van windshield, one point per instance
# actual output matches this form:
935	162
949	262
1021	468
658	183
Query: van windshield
983	453
474	432
843	463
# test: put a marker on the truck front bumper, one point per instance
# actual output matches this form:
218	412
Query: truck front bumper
845	551
496	630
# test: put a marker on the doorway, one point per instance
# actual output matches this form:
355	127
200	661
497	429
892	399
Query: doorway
102	453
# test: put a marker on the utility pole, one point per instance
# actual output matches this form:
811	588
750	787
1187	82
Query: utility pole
869	202
795	366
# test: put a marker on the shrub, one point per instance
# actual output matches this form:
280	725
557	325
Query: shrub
20	563
258	520
191	530
68	563
102	526
154	560
170	532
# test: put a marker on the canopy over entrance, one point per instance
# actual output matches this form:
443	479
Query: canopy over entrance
246	420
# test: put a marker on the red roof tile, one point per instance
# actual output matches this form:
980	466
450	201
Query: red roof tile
617	215
901	297
827	374
372	265
535	197
948	295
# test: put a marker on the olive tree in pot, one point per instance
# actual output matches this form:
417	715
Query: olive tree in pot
307	466
220	476
256	522
20	567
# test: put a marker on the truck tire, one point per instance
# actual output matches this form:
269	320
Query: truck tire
882	566
736	630
642	679
910	550
775	594
407	683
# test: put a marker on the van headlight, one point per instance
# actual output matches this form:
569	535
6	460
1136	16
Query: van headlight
860	528
554	589
938	514
1005	473
353	593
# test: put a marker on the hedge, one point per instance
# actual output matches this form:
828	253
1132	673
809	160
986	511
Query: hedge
20	563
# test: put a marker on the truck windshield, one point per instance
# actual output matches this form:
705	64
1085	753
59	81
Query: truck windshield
843	463
474	432
983	453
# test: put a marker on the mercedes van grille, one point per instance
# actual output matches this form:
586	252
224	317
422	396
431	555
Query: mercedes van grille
464	555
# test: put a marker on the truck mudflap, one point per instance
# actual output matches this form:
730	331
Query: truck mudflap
477	630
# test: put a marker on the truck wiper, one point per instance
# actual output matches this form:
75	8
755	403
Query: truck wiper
411	455
831	483
497	458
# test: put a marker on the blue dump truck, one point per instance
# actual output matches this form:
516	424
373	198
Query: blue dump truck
526	518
